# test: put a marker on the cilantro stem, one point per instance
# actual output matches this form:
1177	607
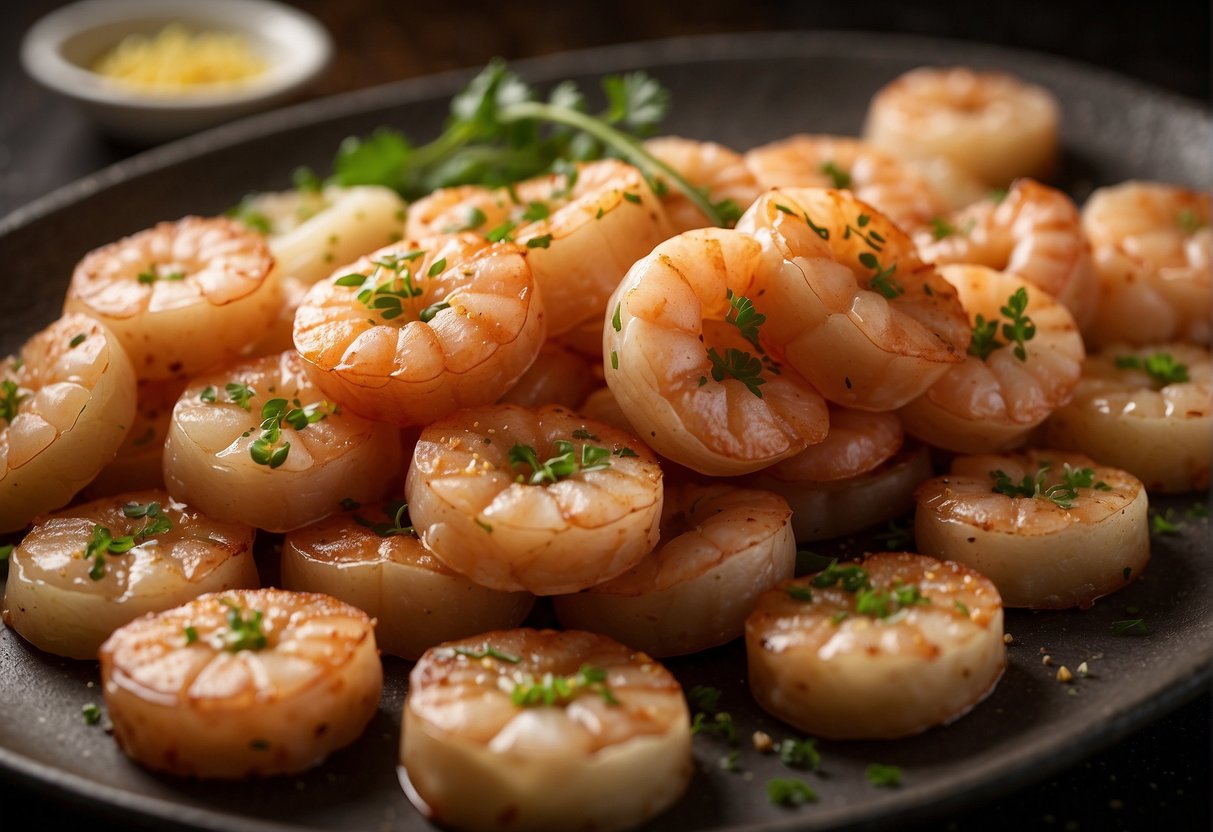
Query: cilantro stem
627	147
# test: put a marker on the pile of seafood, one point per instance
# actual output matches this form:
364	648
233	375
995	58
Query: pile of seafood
575	387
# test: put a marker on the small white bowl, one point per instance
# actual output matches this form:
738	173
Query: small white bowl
59	49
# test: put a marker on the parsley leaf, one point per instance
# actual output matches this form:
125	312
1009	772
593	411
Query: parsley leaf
1162	367
883	776
789	792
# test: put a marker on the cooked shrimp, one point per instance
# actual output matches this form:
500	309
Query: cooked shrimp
601	406
139	463
686	364
719	170
991	124
853	308
558	376
538	500
1051	529
84	572
422	328
1148	410
721	547
955	186
66	406
315	238
582	231
258	443
862	474
1033	231
878	179
879	650
540	730
181	297
1005	387
279	334
1153	254
371	557
242	684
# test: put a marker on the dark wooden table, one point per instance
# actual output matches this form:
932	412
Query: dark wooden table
1157	778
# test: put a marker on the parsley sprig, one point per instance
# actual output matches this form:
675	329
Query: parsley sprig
104	543
265	449
567	462
553	690
737	364
499	132
1062	494
1018	329
1161	367
397	522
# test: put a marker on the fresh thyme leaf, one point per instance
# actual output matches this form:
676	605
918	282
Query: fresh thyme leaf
239	393
398	522
838	176
567	462
1019	328
487	652
721	725
745	317
739	365
543	241
850	577
553	690
799	593
76	341
1162	367
91	713
427	314
883	776
242	633
10	400
801	754
789	792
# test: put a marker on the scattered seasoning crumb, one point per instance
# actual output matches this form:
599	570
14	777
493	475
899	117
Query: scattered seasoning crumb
1043	651
763	742
1007	638
1064	675
1083	670
1047	661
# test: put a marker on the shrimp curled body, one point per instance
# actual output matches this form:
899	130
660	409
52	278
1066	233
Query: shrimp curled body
694	386
476	755
501	522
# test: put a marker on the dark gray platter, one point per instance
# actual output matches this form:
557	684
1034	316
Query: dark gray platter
740	90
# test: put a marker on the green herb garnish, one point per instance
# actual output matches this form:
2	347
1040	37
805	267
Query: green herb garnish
704	698
789	792
567	462
10	400
91	713
1162	368
487	652
1130	627
801	754
242	633
882	775
557	690
840	177
720	724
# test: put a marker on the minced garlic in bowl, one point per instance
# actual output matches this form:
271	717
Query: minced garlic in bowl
176	60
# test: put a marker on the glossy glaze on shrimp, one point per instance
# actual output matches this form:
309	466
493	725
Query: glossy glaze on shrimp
537	500
1152	248
721	546
581	231
371	557
66	404
1051	529
259	443
181	297
422	328
992	124
881	649
818	161
718	170
1033	231
1146	409
558	376
82	573
686	358
1004	388
849	302
245	683
862	474
543	730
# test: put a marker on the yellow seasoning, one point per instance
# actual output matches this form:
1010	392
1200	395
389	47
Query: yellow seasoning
177	60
